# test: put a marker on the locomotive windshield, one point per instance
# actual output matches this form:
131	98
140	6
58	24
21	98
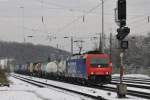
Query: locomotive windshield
99	62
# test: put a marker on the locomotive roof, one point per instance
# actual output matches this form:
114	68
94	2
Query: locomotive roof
80	56
94	52
76	56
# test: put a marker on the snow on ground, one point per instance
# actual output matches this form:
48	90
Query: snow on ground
96	92
132	75
19	90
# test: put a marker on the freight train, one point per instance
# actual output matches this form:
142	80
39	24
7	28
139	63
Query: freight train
85	68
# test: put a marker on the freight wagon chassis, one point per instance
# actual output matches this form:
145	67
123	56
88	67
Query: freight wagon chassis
96	79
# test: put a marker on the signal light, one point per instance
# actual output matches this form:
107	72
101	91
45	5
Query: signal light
92	73
121	9
110	64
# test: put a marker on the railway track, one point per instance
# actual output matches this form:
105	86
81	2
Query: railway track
130	84
129	92
42	84
108	88
131	80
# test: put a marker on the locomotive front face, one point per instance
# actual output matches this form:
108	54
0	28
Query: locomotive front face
99	62
99	67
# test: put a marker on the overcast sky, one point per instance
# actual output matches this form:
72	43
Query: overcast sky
59	19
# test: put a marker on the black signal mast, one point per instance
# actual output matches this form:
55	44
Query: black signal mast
123	31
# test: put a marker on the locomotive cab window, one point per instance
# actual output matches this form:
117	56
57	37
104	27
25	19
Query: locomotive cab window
99	62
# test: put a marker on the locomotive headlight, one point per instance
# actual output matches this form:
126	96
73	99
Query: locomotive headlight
110	64
106	72
92	73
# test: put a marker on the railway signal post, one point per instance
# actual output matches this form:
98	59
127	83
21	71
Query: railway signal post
123	31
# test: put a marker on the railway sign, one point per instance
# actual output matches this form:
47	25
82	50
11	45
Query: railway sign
124	44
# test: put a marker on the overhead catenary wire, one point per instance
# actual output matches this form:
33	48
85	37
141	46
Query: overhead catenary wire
72	22
67	25
63	7
139	24
136	20
60	6
83	17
